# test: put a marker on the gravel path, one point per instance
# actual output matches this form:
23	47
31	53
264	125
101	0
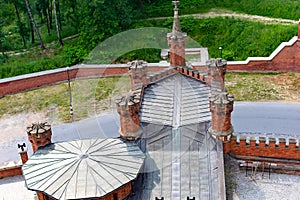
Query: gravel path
240	187
14	126
257	18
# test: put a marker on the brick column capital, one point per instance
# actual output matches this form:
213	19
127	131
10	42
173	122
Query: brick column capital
138	73
128	108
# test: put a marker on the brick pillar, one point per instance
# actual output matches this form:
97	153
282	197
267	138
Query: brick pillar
128	108
137	73
216	73
22	149
39	134
40	196
177	41
221	106
299	30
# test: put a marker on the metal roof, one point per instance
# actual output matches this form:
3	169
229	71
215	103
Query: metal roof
84	168
183	160
176	101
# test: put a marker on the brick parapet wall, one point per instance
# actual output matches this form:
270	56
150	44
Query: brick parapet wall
31	81
270	147
14	170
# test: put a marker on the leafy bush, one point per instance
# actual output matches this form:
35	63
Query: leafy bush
74	54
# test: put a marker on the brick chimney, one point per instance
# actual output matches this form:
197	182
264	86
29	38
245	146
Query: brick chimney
22	149
39	134
177	41
221	106
137	73
216	74
128	108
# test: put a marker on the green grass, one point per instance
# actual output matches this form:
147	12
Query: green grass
263	86
239	38
287	9
90	97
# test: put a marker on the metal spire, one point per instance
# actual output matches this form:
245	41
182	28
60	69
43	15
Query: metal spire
176	23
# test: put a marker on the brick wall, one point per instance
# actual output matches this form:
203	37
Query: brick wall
32	81
285	58
11	171
273	149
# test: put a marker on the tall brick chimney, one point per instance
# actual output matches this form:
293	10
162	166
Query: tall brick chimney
221	106
39	134
177	41
216	74
22	149
128	108
137	73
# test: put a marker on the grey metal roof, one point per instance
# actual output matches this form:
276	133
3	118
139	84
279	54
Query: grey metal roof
84	168
181	162
176	101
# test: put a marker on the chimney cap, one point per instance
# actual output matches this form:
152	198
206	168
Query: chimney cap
38	128
222	98
137	64
128	100
22	148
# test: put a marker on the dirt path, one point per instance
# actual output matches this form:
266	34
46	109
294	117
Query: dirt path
226	13
23	51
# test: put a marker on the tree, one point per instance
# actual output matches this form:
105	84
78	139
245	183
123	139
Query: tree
16	4
2	43
57	21
44	8
34	25
103	19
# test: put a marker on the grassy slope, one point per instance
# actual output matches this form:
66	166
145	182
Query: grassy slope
286	9
239	38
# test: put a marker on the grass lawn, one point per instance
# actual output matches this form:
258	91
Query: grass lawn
90	97
264	87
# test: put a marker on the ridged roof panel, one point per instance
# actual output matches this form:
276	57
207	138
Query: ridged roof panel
177	100
83	169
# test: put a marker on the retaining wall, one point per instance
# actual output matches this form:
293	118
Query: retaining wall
285	58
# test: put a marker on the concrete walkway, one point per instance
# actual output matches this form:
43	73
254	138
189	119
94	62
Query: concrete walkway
13	188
